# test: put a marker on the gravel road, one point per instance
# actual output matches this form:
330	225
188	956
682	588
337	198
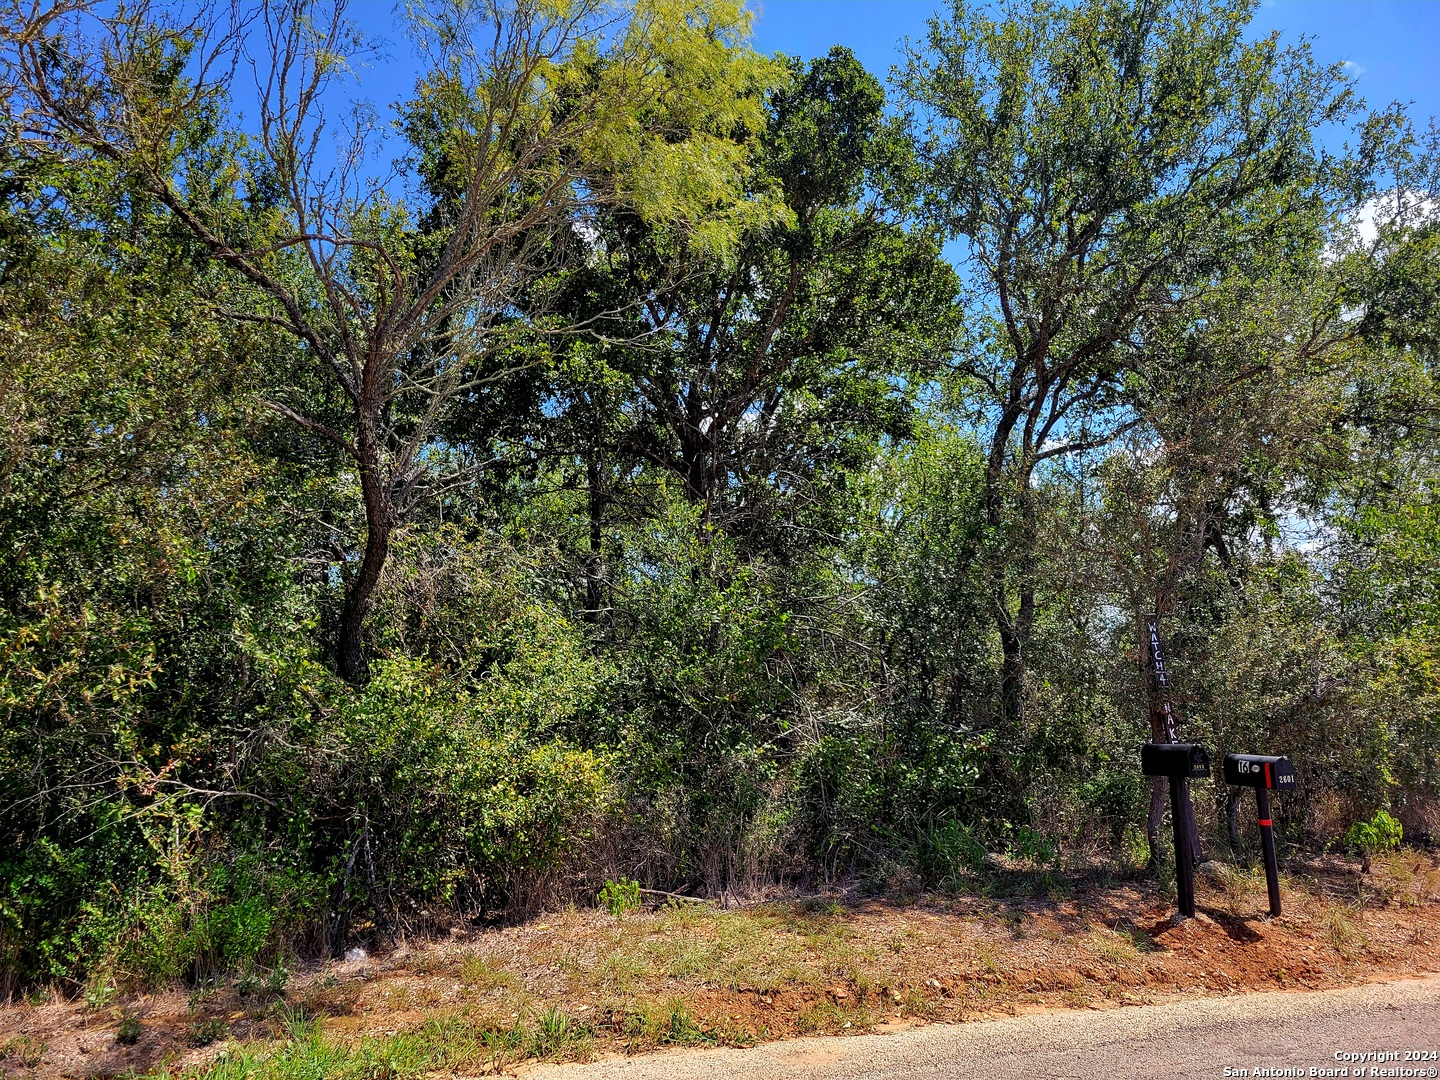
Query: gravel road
1187	1039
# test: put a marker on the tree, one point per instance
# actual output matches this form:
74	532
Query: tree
753	378
537	113
150	616
1103	165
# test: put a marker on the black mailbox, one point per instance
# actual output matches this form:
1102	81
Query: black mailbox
1265	774
1187	761
1259	771
1179	762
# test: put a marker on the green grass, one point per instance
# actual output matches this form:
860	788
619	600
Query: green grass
1122	944
444	1043
759	950
482	975
1345	937
762	950
667	1024
832	1018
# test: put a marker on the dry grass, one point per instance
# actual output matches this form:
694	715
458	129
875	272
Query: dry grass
571	983
1340	929
21	1051
1121	946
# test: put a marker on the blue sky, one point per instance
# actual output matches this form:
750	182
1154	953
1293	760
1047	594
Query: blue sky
1395	44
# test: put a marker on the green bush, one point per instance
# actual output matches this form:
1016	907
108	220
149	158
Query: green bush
1031	845
944	850
1381	833
129	1031
450	792
618	897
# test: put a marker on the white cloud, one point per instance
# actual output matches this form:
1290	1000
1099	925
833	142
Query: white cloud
1399	207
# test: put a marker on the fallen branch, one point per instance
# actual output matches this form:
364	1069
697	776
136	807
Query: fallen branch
677	896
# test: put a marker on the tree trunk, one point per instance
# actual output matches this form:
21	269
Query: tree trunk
1159	734
1012	670
1014	629
1158	788
350	649
595	563
379	522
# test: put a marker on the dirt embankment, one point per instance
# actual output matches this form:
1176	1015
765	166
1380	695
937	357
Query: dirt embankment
578	983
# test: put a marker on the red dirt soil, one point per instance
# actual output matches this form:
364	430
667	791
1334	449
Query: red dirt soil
831	964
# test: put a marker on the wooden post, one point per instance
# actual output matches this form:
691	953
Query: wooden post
1162	727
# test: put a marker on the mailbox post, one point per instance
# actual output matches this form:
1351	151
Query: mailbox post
1178	762
1162	728
1264	774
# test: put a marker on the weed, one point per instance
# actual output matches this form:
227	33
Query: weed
686	916
399	996
129	1030
558	1035
1381	833
205	988
735	949
1403	876
618	897
1239	887
256	981
443	1044
681	1028
1140	941
831	1018
729	1033
617	971
945	851
575	961
482	976
1345	938
914	1002
22	1050
294	1021
205	1032
1134	852
503	1045
100	991
249	982
985	956
430	963
1029	845
330	997
1045	884
1114	946
667	1024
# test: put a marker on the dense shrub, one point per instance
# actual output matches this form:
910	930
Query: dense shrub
703	544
